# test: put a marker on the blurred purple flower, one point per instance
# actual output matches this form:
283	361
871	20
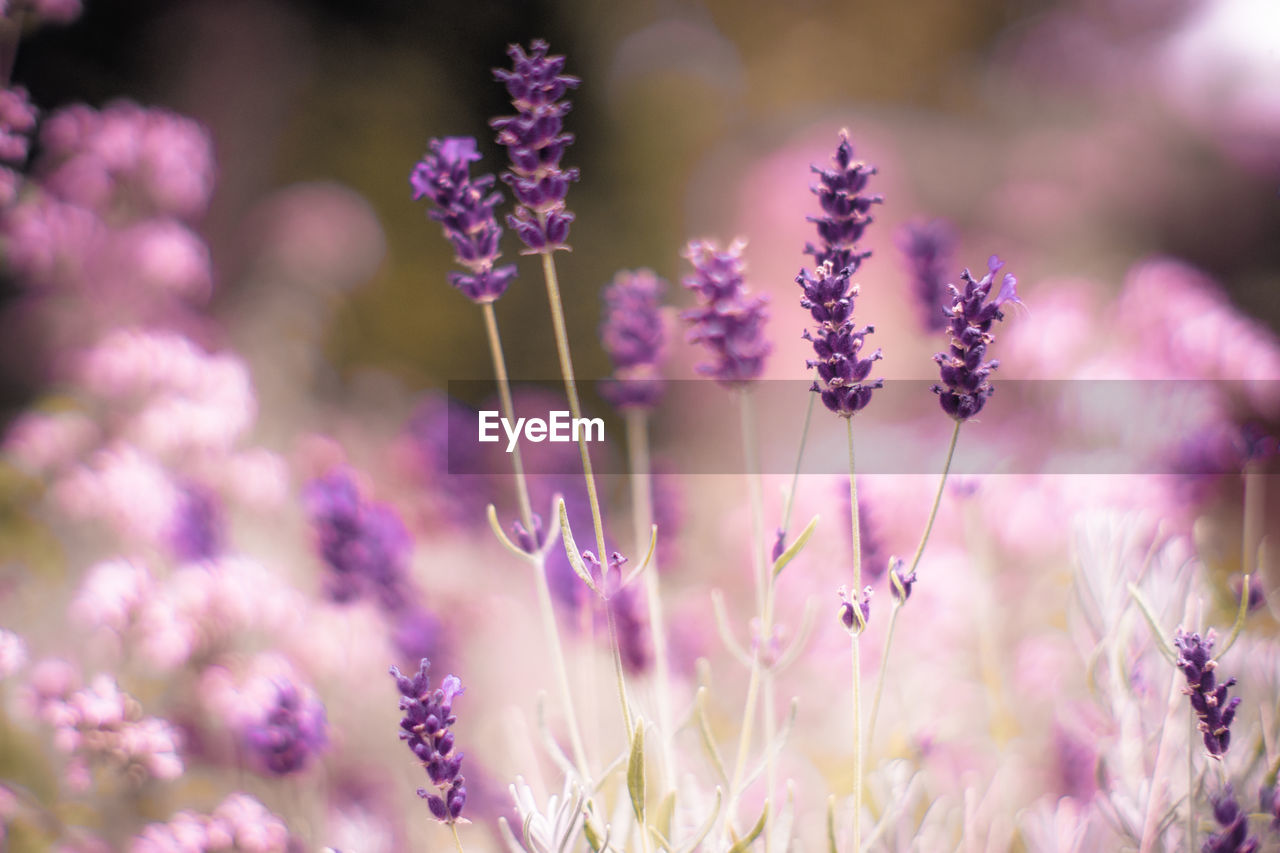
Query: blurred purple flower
197	530
535	141
464	208
1234	836
428	716
965	389
927	248
452	463
633	335
290	734
728	321
365	544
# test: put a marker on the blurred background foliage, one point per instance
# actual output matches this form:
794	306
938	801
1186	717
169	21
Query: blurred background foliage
676	96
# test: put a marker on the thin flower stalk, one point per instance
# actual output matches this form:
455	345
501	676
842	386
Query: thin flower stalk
637	420
855	635
900	600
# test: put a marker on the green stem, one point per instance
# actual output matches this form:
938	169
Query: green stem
571	391
856	656
1191	779
884	666
1253	503
545	607
457	842
617	668
795	476
915	561
642	515
508	409
937	498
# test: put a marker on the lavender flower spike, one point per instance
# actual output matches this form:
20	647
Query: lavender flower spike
727	320
845	209
1234	837
464	208
828	290
633	335
927	248
1208	698
965	389
428	715
535	141
291	732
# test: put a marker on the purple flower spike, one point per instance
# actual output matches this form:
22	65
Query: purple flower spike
1234	836
634	336
728	321
829	292
464	208
428	716
845	209
855	614
927	247
842	369
965	389
535	141
1208	698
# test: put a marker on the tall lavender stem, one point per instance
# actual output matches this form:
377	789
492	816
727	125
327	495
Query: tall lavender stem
907	579
642	513
855	636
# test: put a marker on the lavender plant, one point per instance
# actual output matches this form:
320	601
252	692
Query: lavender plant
228	650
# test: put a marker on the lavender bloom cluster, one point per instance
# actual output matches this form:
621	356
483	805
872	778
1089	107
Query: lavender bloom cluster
291	732
464	208
1233	837
927	248
828	291
728	321
428	716
535	141
633	335
364	543
1208	697
965	386
17	121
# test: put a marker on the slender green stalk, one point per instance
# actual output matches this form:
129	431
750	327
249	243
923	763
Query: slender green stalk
1191	778
937	498
508	409
884	665
642	515
915	561
545	607
856	658
1253	504
618	673
795	476
457	842
764	604
571	391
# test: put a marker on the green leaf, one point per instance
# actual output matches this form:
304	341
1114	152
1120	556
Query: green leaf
705	829
704	729
666	813
644	564
1241	613
496	526
745	842
831	825
635	771
1162	643
796	547
571	551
